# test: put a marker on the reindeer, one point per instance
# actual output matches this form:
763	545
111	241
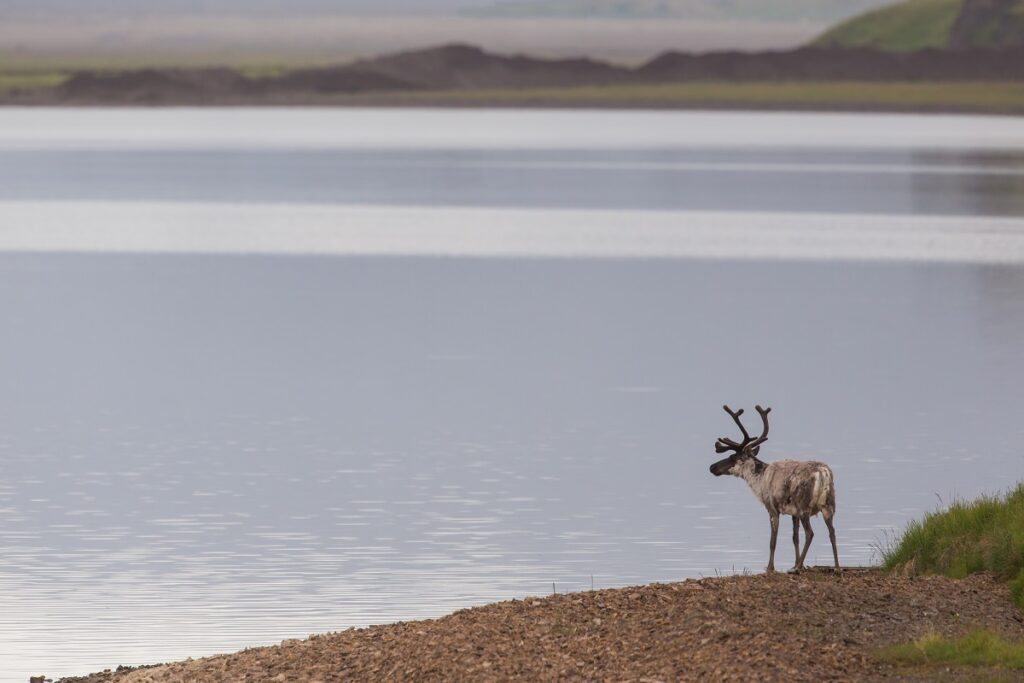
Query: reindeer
785	487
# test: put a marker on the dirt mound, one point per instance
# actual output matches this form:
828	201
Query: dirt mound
810	627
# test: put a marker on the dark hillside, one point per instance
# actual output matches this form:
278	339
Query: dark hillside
988	23
330	80
824	64
450	67
155	86
465	66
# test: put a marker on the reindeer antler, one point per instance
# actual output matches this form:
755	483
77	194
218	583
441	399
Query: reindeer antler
756	443
724	443
750	444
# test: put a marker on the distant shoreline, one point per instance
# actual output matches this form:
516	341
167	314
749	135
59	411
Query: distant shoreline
803	79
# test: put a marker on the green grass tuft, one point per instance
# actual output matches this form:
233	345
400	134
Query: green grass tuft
983	535
908	26
977	648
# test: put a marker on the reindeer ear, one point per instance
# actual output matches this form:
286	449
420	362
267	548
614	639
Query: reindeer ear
754	451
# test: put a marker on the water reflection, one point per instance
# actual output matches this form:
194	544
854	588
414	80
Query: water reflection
203	453
997	190
831	180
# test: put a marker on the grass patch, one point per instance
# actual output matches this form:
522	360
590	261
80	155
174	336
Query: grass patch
31	74
994	97
30	80
910	25
977	648
982	535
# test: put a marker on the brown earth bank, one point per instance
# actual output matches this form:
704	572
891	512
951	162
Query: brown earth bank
466	68
814	626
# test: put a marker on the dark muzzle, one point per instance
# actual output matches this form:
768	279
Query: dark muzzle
721	467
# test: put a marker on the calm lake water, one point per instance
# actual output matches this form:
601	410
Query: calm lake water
270	373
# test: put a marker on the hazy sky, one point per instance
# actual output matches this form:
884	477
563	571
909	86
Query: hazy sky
699	8
245	32
23	7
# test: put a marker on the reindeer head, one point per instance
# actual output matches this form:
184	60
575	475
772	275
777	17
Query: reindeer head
743	451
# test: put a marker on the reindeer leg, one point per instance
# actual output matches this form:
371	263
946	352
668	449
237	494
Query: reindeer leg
827	515
808	535
774	518
796	541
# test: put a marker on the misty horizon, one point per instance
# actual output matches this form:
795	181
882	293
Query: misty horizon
691	10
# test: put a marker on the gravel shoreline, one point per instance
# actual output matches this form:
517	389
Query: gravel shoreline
814	626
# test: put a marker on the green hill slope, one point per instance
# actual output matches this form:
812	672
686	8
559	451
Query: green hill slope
911	25
920	24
